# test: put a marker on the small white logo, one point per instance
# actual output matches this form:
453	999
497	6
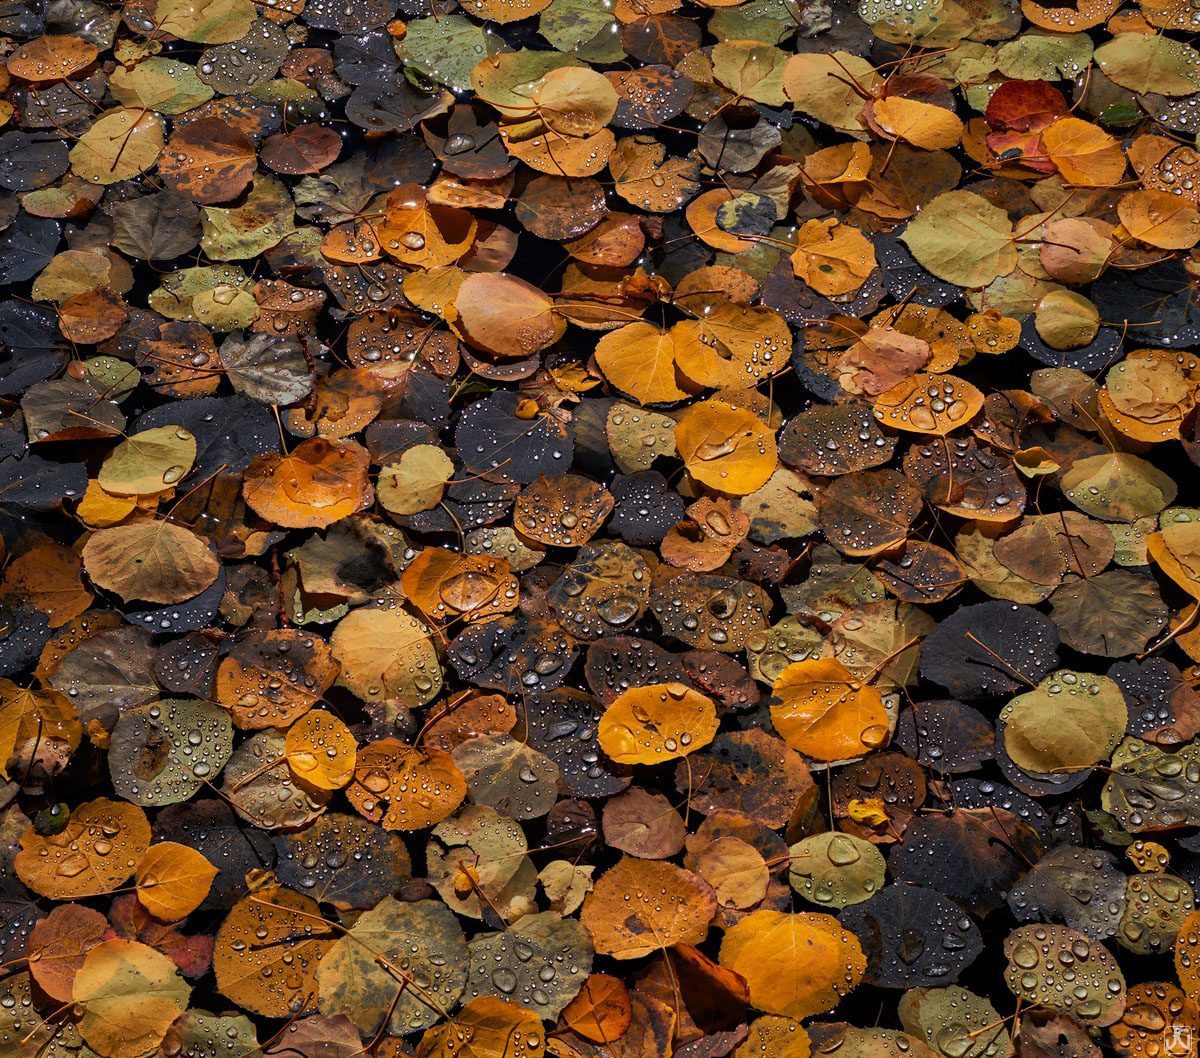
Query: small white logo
1180	1040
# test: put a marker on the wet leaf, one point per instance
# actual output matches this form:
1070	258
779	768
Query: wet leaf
796	965
173	880
656	723
392	946
640	906
130	995
268	950
825	712
150	561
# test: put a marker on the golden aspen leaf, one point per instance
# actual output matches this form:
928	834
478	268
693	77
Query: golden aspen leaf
832	258
639	359
869	810
732	346
119	145
796	965
752	69
319	483
1176	551
564	511
1071	720
504	11
727	448
321	750
1160	219
1150	62
152	561
1065	319
821	709
388	658
642	906
505	316
776	1036
574	100
929	127
404	787
993	333
100	509
1073	19
95	852
964	239
656	723
355	242
343	403
1187	956
130	995
29	715
1147	398
1084	153
823	86
601	1011
548	151
267	952
51	57
929	403
833	176
206	21
49	576
416	482
149	461
736	870
647	178
173	880
1169	14
444	585
1156	1014
271	676
92	315
421	235
495	1028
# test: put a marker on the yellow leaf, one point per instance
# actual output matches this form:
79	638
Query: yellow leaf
729	449
100	509
494	1027
639	359
1084	153
870	811
29	715
658	722
120	144
825	712
822	86
130	995
321	750
173	880
832	258
795	965
1160	219
923	125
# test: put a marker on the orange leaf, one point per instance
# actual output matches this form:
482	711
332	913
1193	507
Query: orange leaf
173	880
795	965
825	712
656	723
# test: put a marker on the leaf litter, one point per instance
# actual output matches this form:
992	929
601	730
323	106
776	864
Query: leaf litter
545	528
